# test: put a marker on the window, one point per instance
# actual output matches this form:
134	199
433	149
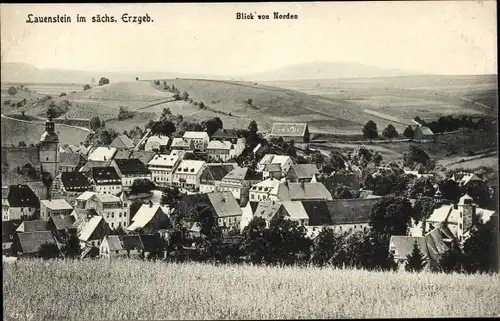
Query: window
460	225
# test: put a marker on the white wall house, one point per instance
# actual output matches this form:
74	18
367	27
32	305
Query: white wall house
285	162
156	142
19	202
199	140
113	209
162	167
188	173
267	189
130	170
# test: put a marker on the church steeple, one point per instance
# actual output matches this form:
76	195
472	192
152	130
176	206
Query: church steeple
50	134
48	148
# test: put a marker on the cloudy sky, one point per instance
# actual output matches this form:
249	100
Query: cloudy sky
455	37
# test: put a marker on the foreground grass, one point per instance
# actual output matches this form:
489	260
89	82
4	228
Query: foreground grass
118	290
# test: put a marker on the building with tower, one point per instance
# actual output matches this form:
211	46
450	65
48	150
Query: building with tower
49	147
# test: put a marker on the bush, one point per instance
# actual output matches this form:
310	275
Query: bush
86	87
103	81
12	91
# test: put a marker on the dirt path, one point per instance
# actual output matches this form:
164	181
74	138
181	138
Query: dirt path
42	121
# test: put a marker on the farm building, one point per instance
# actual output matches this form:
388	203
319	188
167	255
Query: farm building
150	218
298	132
122	142
53	207
158	143
423	133
212	175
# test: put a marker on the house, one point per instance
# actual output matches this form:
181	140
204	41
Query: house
459	218
122	142
39	188
284	161
296	212
263	190
225	135
121	246
423	133
33	226
112	208
300	192
93	231
466	179
272	170
105	180
179	143
302	173
212	175
62	223
227	210
157	143
401	246
247	214
298	132
270	209
102	154
149	218
19	202
8	234
219	150
80	149
30	244
130	170
188	173
239	181
199	140
142	155
89	165
72	183
70	162
51	207
81	200
162	167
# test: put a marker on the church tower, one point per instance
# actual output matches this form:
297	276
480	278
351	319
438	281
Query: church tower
49	149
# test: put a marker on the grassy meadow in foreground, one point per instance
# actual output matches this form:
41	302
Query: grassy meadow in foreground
117	290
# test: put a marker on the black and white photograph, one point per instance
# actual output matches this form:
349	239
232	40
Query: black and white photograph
228	161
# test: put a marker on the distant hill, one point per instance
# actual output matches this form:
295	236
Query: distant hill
24	73
327	70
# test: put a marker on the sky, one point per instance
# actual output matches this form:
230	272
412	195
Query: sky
441	37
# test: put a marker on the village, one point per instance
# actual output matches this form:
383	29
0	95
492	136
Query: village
169	197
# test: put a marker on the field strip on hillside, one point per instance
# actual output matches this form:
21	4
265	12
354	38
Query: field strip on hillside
42	123
384	116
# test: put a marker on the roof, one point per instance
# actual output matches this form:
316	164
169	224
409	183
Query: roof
57	204
224	204
318	213
20	196
131	166
31	242
403	245
179	142
114	242
33	226
122	142
216	172
303	191
267	209
365	193
243	173
104	174
296	210
303	171
93	164
81	149
161	140
164	160
268	186
224	134
142	155
425	130
196	135
190	166
272	167
85	196
89	227
75	180
63	222
102	154
289	129
215	144
8	230
107	198
351	210
467	178
131	242
144	216
69	159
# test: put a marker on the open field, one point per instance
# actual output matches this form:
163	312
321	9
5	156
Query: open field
134	290
14	131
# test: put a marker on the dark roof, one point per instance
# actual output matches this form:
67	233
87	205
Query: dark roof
105	173
253	206
350	211
69	159
123	154
21	196
189	202
243	173
75	181
318	213
8	229
63	222
142	155
149	241
216	172
122	141
224	134
34	226
31	242
131	166
131	242
93	164
302	171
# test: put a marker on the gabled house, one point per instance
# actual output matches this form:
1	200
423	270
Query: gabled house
227	210
157	143
466	179
239	181
272	171
162	167
114	210
29	244
300	192
122	142
33	226
199	140
285	162
121	246
248	212
422	133
105	180
188	173
19	202
263	190
102	154
149	218
72	183
219	150
179	143
52	207
302	173
212	175
8	234
62	223
270	209
93	231
70	162
298	132
225	135
130	170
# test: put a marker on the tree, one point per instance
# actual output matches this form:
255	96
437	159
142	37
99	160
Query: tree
202	105
423	208
287	241
21	144
12	91
134	207
163	127
170	196
377	158
185	96
254	243
48	251
371	252
326	246
416	156
252	127
342	192
95	123
124	113
423	186
249	101
166	112
86	87
390	132
370	130
212	125
449	189
415	262
408	133
451	260
71	248
205	217
480	193
103	81
481	248
142	185
391	215
118	231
